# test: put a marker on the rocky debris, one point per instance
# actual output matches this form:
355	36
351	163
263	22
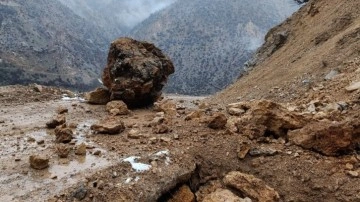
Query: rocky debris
56	121
352	173
161	129
251	187
266	118
235	111
224	195
38	88
166	106
39	162
328	137
62	150
117	107
218	121
99	96
97	152
110	125
80	149
135	134
136	72
353	87
195	115
63	134
263	151
183	194
62	110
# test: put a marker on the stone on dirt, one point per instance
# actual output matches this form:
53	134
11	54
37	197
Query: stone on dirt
135	134
80	193
328	137
62	110
99	96
183	194
251	187
38	162
224	195
195	115
56	121
218	121
111	125
353	87
166	106
81	149
62	150
136	72
117	107
63	134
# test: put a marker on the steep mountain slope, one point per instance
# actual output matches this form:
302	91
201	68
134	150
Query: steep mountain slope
42	41
298	56
115	17
210	40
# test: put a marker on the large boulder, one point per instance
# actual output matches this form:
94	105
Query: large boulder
136	72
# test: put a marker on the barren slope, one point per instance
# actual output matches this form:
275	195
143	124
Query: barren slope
298	54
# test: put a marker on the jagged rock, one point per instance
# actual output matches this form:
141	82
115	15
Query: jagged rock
328	137
161	129
136	72
135	134
224	195
268	118
62	150
183	194
218	121
81	149
63	134
56	121
99	96
110	125
166	106
263	151
353	87
235	111
38	88
39	162
251	187
117	107
243	151
80	193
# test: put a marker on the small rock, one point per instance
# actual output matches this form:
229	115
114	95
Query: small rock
263	152
38	88
224	195
161	129
81	149
218	121
349	166
31	139
134	134
97	152
63	135
56	121
331	74
244	150
176	136
80	193
251	187
353	173
353	87
62	110
235	111
165	139
53	177
183	194
100	96
40	142
62	150
109	126
17	159
117	107
39	162
194	115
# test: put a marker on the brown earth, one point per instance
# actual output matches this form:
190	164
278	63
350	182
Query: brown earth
300	144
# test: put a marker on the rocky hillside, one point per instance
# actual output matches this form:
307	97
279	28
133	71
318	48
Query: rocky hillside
314	55
210	40
43	41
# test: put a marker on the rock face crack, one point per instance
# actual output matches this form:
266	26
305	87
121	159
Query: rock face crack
136	72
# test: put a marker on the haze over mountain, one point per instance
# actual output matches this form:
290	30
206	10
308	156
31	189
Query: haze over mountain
116	17
209	40
42	41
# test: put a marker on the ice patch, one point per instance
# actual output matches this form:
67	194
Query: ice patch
138	167
65	97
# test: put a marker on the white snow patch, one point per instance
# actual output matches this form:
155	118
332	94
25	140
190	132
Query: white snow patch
160	153
138	167
65	97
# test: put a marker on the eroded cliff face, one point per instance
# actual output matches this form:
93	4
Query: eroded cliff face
209	41
44	42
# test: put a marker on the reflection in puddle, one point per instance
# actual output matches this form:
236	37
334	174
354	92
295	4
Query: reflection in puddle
78	165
